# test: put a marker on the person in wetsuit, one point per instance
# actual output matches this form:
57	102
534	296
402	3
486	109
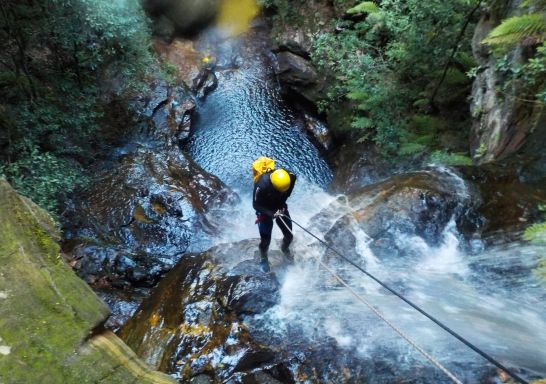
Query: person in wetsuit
271	191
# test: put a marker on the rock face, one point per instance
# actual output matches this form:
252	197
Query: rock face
294	42
504	204
503	121
298	75
192	323
149	204
48	314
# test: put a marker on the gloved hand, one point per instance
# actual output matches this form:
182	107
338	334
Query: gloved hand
279	213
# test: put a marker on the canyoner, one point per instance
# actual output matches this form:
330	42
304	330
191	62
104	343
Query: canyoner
271	190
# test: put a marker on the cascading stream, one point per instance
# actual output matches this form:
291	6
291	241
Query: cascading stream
246	117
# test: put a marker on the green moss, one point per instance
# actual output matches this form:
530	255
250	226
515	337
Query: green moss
48	312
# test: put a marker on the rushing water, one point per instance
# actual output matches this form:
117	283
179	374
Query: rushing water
477	293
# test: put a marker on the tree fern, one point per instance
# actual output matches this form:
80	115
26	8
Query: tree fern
536	233
515	29
364	7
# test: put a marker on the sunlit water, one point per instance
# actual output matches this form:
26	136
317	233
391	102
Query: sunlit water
478	295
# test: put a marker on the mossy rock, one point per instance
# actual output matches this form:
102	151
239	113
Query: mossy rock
47	314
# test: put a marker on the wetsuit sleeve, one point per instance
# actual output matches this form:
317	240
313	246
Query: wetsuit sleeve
257	202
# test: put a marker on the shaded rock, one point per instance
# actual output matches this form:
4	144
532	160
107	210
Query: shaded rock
165	113
359	165
504	204
191	324
49	316
295	71
312	17
135	221
298	75
183	55
504	121
185	16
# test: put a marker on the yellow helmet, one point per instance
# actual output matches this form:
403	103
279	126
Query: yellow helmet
280	180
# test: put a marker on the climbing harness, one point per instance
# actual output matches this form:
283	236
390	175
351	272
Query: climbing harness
407	301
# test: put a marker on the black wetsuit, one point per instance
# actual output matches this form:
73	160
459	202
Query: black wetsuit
266	201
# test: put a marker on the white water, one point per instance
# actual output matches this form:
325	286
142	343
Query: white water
502	315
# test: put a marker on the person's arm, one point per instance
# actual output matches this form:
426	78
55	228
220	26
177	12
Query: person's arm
257	202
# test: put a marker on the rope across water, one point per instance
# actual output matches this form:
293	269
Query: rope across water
410	303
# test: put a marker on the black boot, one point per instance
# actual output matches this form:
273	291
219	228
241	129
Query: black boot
264	262
286	250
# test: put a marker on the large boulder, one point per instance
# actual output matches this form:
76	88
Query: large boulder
298	75
192	323
49	318
413	204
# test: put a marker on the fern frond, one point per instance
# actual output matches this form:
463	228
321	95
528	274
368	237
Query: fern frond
517	28
536	233
358	96
408	149
537	4
450	159
361	123
364	7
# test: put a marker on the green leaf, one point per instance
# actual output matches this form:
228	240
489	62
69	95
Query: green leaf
408	149
364	7
536	233
441	157
361	123
517	28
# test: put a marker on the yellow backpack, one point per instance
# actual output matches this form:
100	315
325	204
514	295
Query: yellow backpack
262	165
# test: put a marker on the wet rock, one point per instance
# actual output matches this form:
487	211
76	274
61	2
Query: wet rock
141	216
415	204
201	379
192	323
250	290
259	377
183	55
205	83
165	112
319	132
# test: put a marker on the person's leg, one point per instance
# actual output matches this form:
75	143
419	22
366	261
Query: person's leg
287	233
265	226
